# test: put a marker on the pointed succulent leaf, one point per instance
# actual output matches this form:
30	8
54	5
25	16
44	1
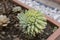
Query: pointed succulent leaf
33	22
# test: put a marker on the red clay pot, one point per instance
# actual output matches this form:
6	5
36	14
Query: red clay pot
56	33
58	1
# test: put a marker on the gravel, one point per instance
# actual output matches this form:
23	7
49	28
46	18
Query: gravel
50	11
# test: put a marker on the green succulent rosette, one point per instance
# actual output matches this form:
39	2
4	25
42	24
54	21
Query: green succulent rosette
32	22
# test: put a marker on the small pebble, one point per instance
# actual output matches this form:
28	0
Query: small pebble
47	33
58	19
43	39
9	36
3	32
2	37
14	36
16	25
16	39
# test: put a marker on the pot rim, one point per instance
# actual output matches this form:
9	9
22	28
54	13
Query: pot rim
56	33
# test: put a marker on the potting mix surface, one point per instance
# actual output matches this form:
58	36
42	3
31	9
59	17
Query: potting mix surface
12	30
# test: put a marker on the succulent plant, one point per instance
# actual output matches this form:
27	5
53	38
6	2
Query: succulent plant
32	22
3	20
17	8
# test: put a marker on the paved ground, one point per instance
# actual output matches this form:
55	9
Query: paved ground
50	3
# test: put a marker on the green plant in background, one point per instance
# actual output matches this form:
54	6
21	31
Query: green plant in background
17	9
32	22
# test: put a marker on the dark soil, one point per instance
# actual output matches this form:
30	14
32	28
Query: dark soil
12	30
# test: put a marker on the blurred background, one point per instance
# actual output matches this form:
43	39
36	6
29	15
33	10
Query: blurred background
52	3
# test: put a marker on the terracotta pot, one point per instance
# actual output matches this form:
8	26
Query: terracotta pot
56	33
58	1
